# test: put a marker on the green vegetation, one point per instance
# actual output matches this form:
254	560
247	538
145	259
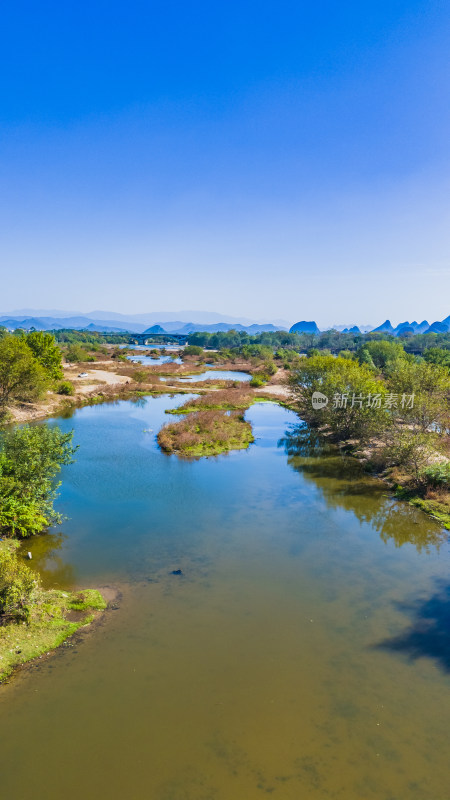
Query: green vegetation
438	355
17	584
394	409
140	375
257	381
22	377
34	620
206	433
66	388
336	377
192	350
75	353
91	338
29	363
333	340
438	475
30	458
46	352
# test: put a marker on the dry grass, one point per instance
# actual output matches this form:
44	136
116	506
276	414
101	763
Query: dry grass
205	433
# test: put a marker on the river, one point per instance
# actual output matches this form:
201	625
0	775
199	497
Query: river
302	654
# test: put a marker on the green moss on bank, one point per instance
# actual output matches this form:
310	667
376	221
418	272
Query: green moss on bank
89	599
439	511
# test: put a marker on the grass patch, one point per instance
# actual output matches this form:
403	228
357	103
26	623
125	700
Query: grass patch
438	510
206	433
89	599
437	504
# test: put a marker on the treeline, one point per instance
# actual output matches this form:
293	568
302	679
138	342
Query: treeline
30	457
389	403
29	364
332	340
70	336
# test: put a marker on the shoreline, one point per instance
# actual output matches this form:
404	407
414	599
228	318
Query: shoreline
24	645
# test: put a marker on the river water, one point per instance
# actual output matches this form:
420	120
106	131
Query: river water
303	654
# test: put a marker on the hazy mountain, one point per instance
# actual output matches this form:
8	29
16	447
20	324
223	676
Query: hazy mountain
78	323
386	327
180	322
155	329
135	323
438	327
193	327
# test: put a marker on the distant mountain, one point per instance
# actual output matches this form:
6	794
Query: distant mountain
155	329
133	323
386	327
99	328
438	327
304	327
77	323
194	327
170	322
355	329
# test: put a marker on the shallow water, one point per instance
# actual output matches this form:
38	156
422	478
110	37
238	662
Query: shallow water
154	361
303	654
218	375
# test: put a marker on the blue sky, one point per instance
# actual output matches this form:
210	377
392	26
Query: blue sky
272	160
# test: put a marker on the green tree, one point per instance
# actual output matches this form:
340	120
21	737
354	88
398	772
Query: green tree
21	376
75	353
46	352
355	407
382	352
430	387
30	459
438	356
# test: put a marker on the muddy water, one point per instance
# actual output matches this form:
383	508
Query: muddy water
303	653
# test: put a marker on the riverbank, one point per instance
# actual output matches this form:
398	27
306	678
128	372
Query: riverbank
106	381
433	501
51	617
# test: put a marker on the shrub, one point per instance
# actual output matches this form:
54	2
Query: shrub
139	375
75	353
17	583
257	380
65	387
192	350
438	475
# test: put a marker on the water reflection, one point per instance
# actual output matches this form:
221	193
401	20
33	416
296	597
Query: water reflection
343	483
429	634
54	571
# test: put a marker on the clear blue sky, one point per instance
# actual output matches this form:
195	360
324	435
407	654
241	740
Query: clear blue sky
285	159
